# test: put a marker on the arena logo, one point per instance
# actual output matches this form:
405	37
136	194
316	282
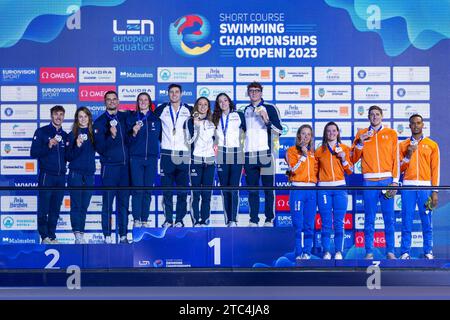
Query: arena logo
189	35
135	27
58	75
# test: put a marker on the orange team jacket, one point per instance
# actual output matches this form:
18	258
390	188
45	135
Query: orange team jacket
423	167
331	168
379	155
303	169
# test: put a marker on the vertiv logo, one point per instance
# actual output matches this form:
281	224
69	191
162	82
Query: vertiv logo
189	35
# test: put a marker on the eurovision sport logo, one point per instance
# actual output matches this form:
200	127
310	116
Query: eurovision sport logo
190	35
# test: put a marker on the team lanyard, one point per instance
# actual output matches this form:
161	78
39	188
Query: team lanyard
174	119
414	141
331	150
141	121
371	129
225	128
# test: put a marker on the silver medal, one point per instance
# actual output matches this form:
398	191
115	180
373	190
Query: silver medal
338	149
58	138
84	136
140	123
370	133
113	123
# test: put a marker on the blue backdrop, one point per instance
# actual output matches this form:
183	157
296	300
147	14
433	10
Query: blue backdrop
317	60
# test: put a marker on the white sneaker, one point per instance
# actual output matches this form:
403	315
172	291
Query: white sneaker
298	258
178	225
166	224
390	256
78	237
146	224
137	224
54	241
252	224
338	256
123	240
405	256
306	256
46	240
268	224
232	224
327	256
108	240
429	256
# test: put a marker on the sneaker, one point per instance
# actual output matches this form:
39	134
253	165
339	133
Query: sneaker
298	258
197	225
146	224
369	256
429	256
179	224
137	224
252	224
306	256
78	237
327	256
124	240
268	224
108	240
338	256
46	240
390	256
54	241
166	224
405	256
232	224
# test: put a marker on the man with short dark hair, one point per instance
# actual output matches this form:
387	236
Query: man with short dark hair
263	126
48	147
175	155
377	148
419	157
111	142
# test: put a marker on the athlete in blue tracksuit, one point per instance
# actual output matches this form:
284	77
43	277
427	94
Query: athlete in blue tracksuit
80	154
262	122
230	158
144	129
111	142
200	133
48	147
175	156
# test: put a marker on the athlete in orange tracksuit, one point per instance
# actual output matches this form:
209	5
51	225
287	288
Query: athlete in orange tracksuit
377	147
333	160
303	172
419	157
